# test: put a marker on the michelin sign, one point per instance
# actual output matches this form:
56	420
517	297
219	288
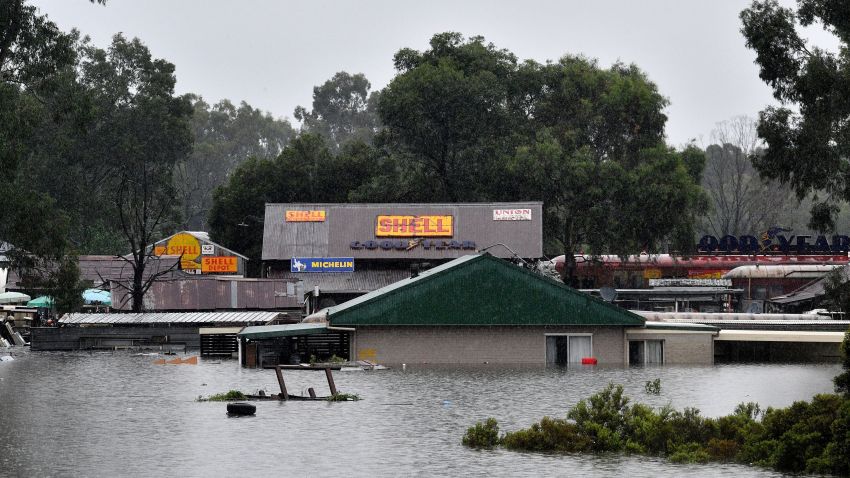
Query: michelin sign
322	264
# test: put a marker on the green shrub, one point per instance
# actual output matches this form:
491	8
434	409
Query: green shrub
722	450
551	434
811	437
482	435
343	397
689	453
224	397
653	387
651	430
842	381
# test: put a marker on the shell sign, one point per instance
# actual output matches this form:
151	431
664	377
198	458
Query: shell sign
414	226
305	216
212	264
185	245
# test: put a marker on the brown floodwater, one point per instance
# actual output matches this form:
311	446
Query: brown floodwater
119	414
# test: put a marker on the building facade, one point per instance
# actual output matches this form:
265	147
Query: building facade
482	309
341	251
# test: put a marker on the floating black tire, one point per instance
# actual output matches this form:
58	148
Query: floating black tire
239	408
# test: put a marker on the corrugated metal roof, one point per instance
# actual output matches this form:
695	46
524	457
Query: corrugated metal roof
285	330
679	326
198	292
346	223
145	318
823	323
780	336
357	281
203	236
797	271
100	269
478	290
809	291
724	316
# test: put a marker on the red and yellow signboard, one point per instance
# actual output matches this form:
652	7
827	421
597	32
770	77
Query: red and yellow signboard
414	226
652	274
305	216
185	245
219	264
706	273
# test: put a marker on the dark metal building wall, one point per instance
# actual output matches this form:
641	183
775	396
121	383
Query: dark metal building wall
345	223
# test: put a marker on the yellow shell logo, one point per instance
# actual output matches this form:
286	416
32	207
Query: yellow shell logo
188	246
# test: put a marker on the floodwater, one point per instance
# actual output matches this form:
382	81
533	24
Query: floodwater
119	414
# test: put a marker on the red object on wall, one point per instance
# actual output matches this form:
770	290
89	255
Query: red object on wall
588	361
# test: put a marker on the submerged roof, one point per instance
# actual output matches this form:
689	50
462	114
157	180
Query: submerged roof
181	318
358	281
811	290
478	290
283	330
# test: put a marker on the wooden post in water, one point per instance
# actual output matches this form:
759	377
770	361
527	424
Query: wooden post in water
283	394
330	381
311	392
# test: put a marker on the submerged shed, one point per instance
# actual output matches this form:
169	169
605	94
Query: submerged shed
482	309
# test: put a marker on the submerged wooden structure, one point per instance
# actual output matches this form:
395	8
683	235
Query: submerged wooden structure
284	393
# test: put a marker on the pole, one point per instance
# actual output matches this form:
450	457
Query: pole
283	394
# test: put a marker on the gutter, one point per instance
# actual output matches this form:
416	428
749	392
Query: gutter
341	329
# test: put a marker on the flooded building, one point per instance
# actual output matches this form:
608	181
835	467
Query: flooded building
151	330
482	309
341	251
199	255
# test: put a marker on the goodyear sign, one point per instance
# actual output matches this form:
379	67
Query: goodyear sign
322	264
414	226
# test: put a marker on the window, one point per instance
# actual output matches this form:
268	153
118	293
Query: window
568	349
649	352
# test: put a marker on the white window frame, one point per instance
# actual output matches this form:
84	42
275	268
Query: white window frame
566	334
663	350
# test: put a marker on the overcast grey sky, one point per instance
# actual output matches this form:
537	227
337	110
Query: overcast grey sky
271	53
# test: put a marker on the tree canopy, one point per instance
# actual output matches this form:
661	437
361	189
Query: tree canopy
467	121
343	110
225	135
33	55
808	135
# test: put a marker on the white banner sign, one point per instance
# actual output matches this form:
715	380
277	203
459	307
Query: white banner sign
511	214
690	282
207	249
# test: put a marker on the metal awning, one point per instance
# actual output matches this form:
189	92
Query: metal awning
175	318
284	330
780	336
651	327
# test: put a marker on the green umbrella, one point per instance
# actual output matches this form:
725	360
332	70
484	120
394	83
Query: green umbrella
43	301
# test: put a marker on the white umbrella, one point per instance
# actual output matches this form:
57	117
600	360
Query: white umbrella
14	298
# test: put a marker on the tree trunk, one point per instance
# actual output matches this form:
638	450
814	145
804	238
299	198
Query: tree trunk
137	292
569	273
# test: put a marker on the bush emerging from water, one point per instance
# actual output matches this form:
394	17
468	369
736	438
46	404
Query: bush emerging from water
482	435
343	397
811	437
653	386
224	397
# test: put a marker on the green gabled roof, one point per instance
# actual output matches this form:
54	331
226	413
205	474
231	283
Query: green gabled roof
479	290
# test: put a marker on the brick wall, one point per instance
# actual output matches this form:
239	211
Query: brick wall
680	347
468	345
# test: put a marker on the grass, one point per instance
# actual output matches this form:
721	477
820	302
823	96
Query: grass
224	397
343	397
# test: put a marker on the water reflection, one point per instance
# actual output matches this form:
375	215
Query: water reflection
119	414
